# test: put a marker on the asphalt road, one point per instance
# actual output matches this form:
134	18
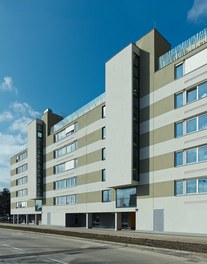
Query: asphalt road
27	247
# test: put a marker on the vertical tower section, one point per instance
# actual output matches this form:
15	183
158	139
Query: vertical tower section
122	91
35	159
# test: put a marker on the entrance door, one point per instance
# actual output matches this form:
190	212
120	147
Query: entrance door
132	220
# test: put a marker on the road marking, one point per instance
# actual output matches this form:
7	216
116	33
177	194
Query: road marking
18	249
55	260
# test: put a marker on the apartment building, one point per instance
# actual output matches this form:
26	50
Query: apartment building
134	158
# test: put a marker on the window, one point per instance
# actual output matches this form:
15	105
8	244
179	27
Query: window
106	196
38	205
179	187
21	204
202	153
65	150
21	193
191	95
21	181
21	156
202	185
59	168
191	186
197	154
202	90
179	100
178	158
103	153
71	182
66	132
191	125
191	155
21	169
126	197
103	132
103	111
39	134
202	122
179	71
179	129
63	200
103	174
71	164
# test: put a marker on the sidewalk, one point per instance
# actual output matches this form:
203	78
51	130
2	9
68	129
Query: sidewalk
191	243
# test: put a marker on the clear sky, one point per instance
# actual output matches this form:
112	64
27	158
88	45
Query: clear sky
53	53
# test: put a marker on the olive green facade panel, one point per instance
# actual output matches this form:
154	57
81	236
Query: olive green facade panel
31	203
91	197
13	160
157	136
13	194
49	156
156	190
49	201
13	205
159	108
90	138
49	171
13	183
13	172
160	162
92	177
89	158
49	186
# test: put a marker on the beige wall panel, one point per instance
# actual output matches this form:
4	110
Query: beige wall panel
49	186
160	162
157	136
30	203
49	171
13	172
89	158
13	205
13	194
157	190
94	115
90	138
49	156
13	160
159	108
92	197
81	122
89	178
49	201
13	183
49	140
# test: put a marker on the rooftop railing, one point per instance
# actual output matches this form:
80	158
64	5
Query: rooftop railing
86	108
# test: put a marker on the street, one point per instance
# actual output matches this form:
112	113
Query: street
28	247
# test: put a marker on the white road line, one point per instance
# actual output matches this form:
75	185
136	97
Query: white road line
18	249
55	260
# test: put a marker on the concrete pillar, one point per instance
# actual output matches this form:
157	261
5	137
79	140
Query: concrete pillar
14	217
17	219
88	220
35	222
27	220
118	221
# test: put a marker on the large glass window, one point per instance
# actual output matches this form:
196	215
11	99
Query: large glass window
179	158
21	181
21	169
202	153
179	71
59	168
191	186
179	187
202	122
202	90
191	155
106	196
191	95
179	100
179	129
126	197
202	185
191	125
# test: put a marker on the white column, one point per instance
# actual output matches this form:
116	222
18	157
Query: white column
88	220
118	223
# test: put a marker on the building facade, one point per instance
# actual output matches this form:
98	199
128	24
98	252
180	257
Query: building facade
135	157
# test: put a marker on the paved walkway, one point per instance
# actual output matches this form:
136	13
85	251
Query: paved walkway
198	239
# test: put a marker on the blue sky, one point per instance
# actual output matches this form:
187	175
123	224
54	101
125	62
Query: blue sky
53	53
